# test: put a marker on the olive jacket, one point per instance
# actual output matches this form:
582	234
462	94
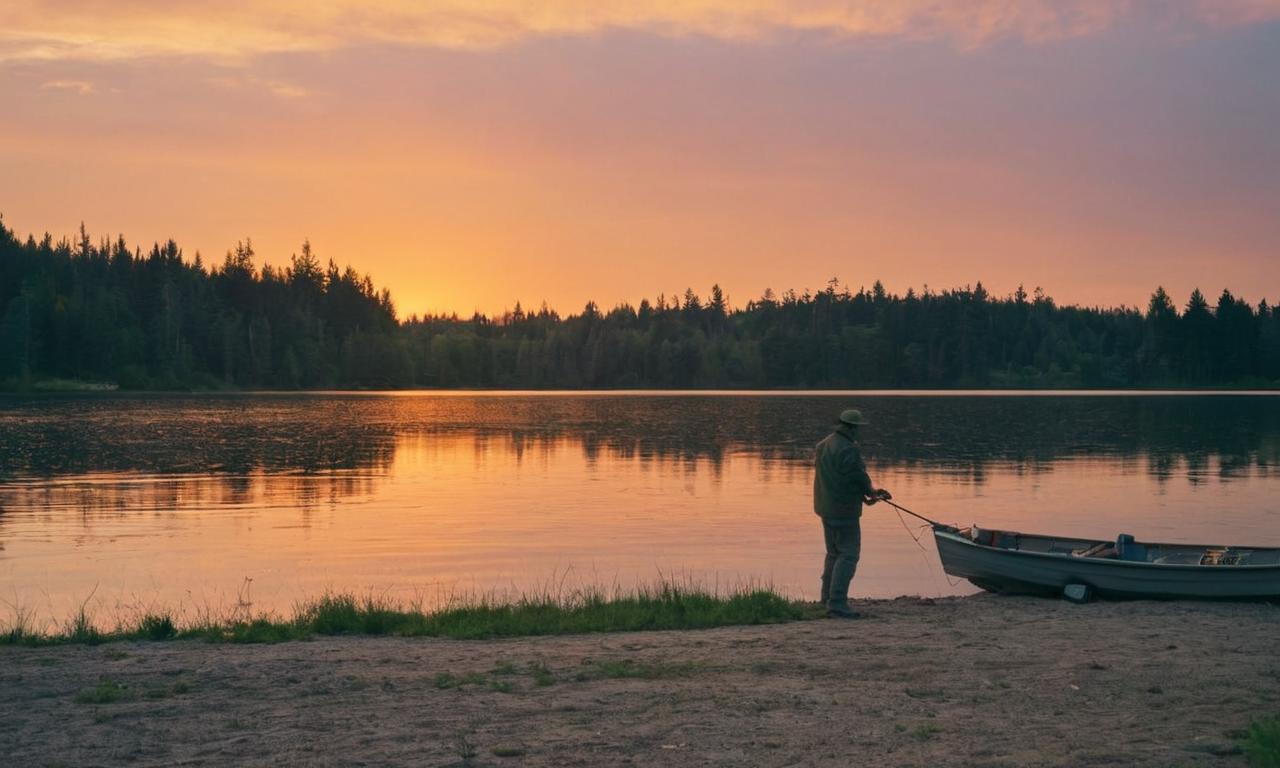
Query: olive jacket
841	479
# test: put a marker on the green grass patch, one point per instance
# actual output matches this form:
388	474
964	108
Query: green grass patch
447	680
629	669
1262	743
82	630
925	732
663	607
19	630
106	692
163	692
542	675
156	627
504	751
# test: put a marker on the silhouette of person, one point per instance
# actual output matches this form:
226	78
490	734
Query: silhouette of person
840	487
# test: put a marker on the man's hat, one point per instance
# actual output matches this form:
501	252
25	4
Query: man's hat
853	417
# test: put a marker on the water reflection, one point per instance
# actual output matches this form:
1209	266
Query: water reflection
236	435
135	494
175	499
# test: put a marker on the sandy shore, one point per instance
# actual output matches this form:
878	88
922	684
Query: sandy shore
981	681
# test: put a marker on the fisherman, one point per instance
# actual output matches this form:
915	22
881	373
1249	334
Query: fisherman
840	488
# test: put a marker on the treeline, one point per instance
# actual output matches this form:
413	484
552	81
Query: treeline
85	311
106	312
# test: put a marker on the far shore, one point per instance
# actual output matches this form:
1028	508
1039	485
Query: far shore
112	390
977	681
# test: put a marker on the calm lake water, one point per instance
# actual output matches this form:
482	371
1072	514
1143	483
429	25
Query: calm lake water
208	502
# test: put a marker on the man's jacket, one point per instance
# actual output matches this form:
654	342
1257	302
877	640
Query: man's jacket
841	479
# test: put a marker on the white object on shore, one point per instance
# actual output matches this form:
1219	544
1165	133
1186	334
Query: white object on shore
1077	593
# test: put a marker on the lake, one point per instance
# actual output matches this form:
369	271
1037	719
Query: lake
209	502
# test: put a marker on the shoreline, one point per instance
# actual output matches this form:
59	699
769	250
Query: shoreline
983	680
99	389
666	605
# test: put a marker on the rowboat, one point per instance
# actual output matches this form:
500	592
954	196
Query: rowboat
1022	563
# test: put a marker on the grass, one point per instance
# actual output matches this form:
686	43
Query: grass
465	747
666	606
542	675
110	692
925	732
629	669
507	677
81	629
1262	743
156	627
107	692
447	680
490	681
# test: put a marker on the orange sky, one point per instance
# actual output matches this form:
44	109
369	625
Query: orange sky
471	154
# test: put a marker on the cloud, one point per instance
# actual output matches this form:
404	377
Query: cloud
232	30
81	87
281	88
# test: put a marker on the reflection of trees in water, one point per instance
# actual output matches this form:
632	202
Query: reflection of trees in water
345	441
150	459
1198	437
230	436
594	445
102	496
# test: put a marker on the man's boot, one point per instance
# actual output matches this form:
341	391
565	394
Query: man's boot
838	599
842	611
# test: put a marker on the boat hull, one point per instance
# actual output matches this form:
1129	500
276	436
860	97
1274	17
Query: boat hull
1003	570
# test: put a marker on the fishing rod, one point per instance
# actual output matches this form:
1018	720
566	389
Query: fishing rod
933	523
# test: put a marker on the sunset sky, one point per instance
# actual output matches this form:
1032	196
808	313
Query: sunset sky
472	153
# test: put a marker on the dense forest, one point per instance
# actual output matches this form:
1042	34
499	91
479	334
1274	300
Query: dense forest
86	312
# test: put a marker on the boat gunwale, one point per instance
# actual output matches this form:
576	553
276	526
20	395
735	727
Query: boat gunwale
1061	556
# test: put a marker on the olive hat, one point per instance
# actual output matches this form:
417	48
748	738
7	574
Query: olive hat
852	416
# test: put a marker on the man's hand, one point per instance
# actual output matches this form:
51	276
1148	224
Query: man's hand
878	495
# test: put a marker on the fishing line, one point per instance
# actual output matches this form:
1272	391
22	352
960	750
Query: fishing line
923	552
914	537
927	561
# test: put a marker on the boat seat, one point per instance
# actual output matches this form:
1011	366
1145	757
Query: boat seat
1180	558
1005	540
1128	549
1101	549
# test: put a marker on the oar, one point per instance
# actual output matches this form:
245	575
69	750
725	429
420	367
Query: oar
933	523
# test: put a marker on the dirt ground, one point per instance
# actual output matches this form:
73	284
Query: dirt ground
981	681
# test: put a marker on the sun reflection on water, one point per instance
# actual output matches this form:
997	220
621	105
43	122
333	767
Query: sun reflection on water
207	503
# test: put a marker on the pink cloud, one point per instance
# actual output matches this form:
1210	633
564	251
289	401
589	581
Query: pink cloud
236	29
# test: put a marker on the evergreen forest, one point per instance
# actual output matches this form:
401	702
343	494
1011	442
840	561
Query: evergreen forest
85	313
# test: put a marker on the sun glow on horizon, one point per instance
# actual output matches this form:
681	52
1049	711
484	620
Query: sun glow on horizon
471	156
51	30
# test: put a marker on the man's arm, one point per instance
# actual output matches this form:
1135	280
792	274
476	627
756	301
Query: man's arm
853	465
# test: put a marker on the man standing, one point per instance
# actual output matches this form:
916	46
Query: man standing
840	488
